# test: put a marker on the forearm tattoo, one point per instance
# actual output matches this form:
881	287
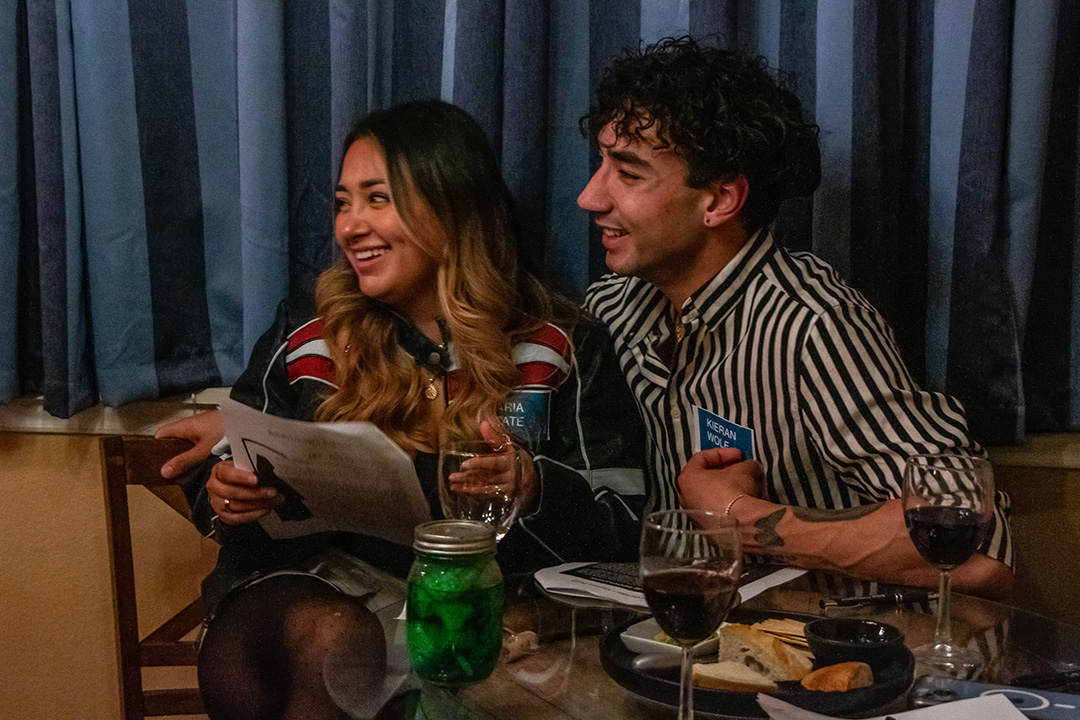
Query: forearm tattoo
819	515
766	529
767	536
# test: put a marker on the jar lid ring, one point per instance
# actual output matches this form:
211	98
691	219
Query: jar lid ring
454	537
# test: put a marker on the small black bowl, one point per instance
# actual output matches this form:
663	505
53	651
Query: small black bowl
836	640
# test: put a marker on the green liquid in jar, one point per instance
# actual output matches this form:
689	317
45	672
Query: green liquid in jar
454	629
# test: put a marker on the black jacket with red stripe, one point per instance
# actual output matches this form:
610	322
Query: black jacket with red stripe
572	410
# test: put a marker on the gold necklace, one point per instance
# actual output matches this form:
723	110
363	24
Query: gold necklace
680	329
431	392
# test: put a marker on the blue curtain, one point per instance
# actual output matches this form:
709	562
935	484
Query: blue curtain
166	170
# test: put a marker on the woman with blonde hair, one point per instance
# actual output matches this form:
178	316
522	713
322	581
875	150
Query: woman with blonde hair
428	326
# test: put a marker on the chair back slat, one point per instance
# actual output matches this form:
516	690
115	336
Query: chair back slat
144	456
179	624
170	654
173	702
129	460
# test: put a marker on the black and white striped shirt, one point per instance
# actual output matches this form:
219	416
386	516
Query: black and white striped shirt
776	342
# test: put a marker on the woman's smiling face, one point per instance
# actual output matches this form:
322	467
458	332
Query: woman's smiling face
390	266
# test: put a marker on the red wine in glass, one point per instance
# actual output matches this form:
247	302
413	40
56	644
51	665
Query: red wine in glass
690	603
945	536
691	561
948	501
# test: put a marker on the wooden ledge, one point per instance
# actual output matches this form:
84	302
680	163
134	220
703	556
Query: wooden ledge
1051	450
26	414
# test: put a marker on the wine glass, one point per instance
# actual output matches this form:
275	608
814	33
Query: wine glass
479	482
691	561
948	501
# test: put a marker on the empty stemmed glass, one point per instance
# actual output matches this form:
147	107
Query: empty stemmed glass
691	561
480	482
948	502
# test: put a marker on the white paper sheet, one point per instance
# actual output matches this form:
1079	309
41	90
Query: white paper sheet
987	707
756	587
346	476
557	580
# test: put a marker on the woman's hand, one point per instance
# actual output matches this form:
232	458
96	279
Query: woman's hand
508	470
236	496
205	430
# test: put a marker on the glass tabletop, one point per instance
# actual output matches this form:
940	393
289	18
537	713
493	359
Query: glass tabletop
1014	642
562	676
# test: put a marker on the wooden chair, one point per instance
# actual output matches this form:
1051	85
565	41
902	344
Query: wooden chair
137	461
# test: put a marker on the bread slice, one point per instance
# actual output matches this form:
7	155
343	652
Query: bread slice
839	677
786	629
731	676
763	653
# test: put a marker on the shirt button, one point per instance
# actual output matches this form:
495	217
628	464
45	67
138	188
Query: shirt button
676	413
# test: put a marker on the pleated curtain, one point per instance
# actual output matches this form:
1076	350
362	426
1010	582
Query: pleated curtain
166	170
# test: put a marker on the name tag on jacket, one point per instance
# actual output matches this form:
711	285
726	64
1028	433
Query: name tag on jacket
527	414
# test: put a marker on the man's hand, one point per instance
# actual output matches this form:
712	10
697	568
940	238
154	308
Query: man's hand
205	430
713	478
867	541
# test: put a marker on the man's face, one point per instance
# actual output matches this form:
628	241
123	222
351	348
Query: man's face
652	221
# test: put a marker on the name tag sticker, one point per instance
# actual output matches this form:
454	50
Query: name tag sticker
713	431
527	414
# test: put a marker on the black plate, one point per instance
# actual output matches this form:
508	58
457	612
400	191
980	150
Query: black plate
663	685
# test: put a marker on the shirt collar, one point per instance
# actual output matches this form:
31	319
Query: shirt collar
710	303
716	298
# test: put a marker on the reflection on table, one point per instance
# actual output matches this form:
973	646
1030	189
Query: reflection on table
563	677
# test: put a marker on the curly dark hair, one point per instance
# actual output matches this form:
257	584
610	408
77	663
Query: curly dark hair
723	111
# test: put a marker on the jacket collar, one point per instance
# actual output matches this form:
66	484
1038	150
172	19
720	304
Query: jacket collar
425	351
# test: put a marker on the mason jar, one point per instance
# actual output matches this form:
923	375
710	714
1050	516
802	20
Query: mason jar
455	601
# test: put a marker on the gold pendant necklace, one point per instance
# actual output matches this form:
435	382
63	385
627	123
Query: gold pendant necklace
431	392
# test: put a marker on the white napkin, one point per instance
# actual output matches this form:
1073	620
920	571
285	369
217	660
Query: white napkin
986	707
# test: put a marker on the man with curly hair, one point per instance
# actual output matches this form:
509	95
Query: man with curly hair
729	341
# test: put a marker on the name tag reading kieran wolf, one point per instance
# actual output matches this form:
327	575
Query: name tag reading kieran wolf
713	431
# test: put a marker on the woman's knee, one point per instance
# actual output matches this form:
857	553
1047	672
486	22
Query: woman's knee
267	646
338	626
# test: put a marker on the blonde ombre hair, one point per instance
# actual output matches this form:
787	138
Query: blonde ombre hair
447	189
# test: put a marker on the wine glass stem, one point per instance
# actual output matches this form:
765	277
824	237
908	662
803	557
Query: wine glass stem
686	686
943	633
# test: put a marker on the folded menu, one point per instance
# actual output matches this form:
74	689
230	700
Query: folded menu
986	707
619	582
332	476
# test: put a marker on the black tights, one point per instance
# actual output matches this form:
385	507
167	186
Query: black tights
262	657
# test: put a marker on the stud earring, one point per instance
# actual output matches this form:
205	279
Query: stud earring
708	221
